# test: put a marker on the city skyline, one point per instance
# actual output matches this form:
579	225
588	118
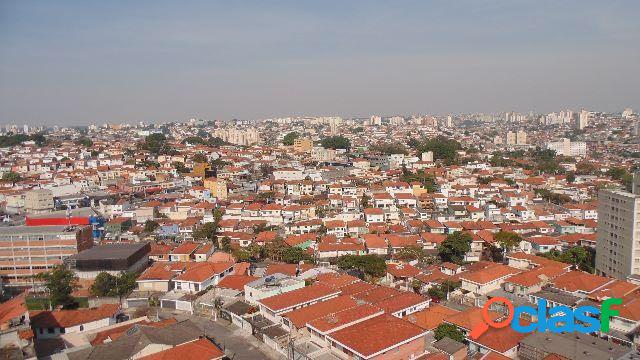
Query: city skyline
76	63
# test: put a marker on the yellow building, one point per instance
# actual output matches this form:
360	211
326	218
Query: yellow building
218	187
302	145
200	169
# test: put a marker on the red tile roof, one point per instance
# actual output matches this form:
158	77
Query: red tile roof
68	318
235	282
297	297
201	349
375	335
300	317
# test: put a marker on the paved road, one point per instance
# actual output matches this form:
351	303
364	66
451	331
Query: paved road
237	345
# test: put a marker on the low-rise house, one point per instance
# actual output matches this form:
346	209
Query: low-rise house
381	337
202	275
51	324
275	306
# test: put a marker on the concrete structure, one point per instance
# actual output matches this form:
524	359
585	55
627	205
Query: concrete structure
567	147
618	244
302	144
111	258
29	250
218	187
38	201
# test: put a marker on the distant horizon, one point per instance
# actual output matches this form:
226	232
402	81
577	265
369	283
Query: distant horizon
74	63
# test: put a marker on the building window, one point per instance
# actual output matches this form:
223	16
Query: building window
50	330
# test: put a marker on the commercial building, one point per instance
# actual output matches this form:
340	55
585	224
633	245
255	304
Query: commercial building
110	258
26	251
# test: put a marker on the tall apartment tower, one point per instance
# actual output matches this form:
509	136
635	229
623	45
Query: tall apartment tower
618	244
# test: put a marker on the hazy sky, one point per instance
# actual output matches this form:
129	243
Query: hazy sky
81	62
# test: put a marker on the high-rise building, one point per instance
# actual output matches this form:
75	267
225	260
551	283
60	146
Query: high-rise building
302	144
567	147
618	243
511	138
627	113
521	137
583	119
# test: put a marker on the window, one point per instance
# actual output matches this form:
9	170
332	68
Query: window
50	330
81	327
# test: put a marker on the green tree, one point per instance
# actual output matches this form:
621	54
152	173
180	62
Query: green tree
336	142
60	283
571	177
290	138
410	253
225	244
372	265
389	148
103	285
150	226
156	144
293	255
246	253
199	158
507	240
448	330
84	141
582	257
11	177
454	247
440	291
443	148
207	231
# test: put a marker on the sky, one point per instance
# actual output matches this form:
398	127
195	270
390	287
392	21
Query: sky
85	62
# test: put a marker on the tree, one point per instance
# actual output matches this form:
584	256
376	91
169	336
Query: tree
448	330
440	291
571	177
365	201
275	249
60	283
103	285
371	265
150	226
126	283
84	141
112	285
507	240
389	148
443	148
583	258
410	253
11	177
199	158
156	144
225	243
293	255
207	231
246	253
454	247
290	138
336	142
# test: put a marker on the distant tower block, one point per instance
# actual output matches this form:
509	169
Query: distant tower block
427	156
